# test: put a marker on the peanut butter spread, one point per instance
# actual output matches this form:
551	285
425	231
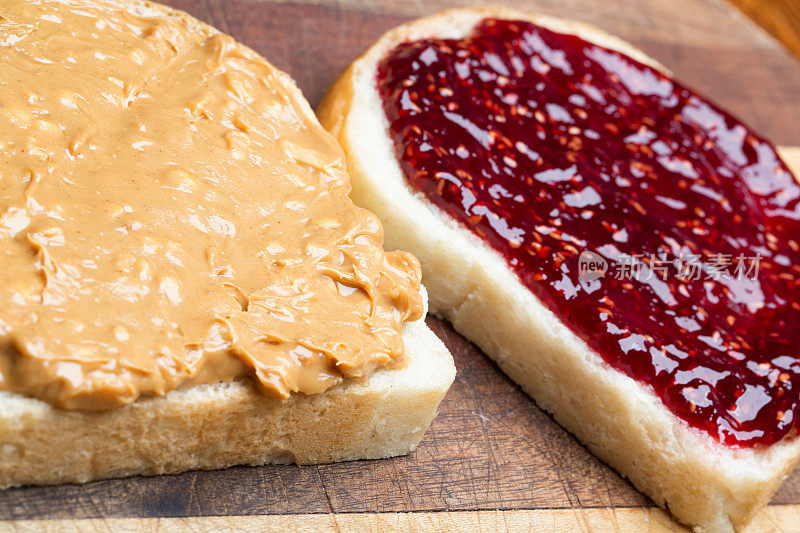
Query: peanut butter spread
172	214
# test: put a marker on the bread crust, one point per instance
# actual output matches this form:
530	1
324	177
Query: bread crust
216	426
703	483
224	424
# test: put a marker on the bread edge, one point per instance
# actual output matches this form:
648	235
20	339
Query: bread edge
231	423
225	424
701	482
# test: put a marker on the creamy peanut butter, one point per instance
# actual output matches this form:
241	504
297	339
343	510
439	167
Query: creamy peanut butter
172	214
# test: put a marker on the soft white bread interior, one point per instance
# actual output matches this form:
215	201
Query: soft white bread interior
703	483
224	424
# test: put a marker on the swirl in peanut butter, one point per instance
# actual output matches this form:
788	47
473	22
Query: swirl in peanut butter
172	214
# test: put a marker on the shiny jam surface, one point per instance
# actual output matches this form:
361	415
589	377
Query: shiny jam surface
549	147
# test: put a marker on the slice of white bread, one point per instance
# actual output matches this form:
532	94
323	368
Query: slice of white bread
703	483
224	424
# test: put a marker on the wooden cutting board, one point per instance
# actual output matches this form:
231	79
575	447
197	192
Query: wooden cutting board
492	459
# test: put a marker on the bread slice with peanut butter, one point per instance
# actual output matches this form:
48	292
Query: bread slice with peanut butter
185	282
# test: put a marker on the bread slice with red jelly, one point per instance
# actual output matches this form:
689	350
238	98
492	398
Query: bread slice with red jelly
624	249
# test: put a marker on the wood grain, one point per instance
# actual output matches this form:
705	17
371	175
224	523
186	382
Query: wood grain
490	447
775	519
781	18
562	520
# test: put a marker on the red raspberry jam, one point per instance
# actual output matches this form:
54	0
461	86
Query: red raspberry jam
548	146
